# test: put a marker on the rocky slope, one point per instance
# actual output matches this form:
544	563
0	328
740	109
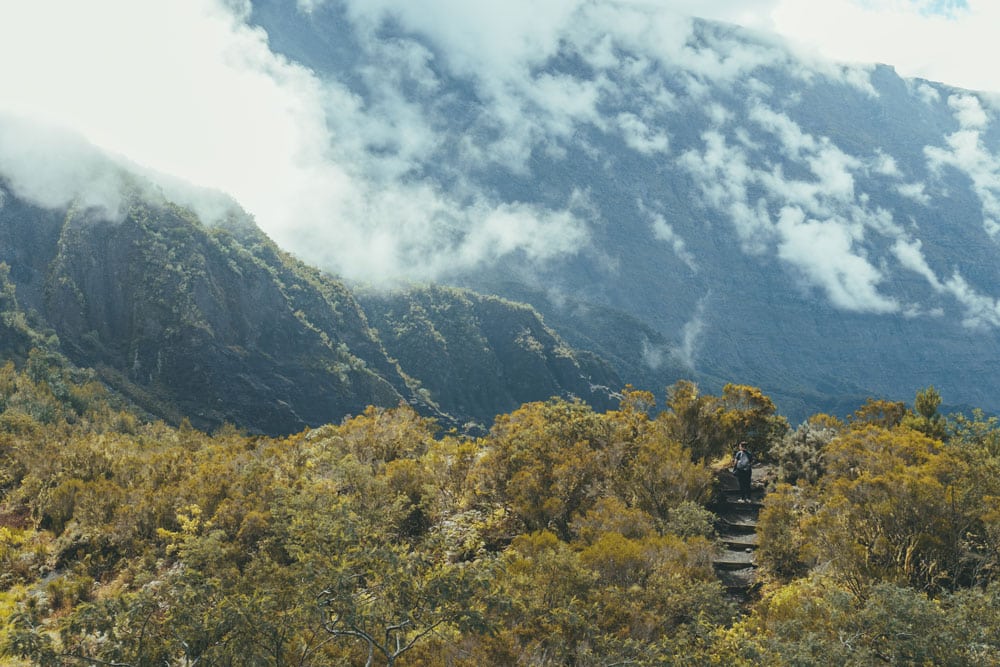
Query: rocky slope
477	353
218	325
823	231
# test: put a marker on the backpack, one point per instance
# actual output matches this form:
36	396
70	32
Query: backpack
743	462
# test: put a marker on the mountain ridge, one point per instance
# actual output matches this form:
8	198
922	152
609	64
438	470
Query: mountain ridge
817	229
217	325
680	198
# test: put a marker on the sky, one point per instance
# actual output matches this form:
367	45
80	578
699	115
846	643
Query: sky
187	88
951	41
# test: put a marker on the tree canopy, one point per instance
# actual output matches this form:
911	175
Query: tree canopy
563	536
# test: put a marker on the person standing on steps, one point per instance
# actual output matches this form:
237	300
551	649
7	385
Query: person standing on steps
743	469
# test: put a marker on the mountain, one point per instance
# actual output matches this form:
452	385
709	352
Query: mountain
677	197
475	354
747	212
217	325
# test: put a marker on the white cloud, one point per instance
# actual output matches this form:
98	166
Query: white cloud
821	227
980	311
189	89
338	174
896	32
968	111
474	37
793	140
966	152
724	175
566	101
496	47
640	137
900	33
824	252
686	351
915	191
929	94
910	254
831	166
663	231
142	83
885	164
57	168
538	233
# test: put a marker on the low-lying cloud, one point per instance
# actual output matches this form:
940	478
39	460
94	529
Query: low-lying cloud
825	253
686	352
56	168
364	173
967	153
338	173
192	90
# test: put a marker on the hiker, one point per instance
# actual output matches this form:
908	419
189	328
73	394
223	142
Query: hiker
743	468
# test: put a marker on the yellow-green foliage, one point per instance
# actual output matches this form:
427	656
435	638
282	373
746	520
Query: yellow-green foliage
899	506
708	426
563	536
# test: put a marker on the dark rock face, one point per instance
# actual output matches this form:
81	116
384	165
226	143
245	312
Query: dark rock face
810	229
218	325
188	321
480	355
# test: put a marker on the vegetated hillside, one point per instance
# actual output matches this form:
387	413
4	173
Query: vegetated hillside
216	324
17	338
823	231
481	355
209	324
563	536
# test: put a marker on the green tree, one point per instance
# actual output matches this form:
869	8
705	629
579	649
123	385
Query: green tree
974	431
547	462
709	426
661	474
782	552
899	507
879	412
799	455
815	621
693	420
925	416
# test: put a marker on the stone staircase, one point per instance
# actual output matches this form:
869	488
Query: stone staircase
736	525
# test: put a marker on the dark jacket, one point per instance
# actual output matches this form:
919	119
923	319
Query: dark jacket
742	461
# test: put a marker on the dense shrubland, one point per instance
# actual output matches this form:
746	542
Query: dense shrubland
562	537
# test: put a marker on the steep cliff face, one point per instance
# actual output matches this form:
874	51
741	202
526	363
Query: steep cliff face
217	325
480	355
16	336
823	231
190	321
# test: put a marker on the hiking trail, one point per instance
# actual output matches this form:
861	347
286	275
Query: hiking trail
736	525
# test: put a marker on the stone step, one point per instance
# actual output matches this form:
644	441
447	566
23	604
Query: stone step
736	525
751	508
737	580
733	496
740	540
734	560
739	522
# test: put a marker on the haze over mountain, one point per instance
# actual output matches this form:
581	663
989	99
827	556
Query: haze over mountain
217	325
682	197
824	231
